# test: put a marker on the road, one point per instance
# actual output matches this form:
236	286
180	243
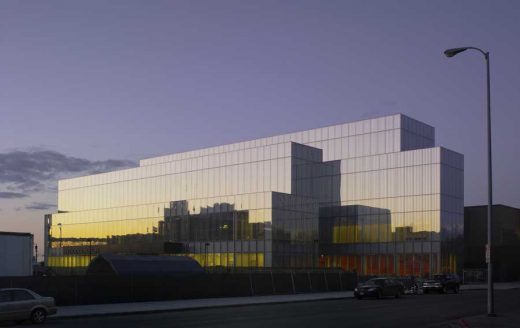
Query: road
408	311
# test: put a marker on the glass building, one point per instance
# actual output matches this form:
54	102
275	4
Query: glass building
375	196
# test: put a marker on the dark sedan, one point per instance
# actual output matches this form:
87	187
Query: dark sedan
442	284
378	288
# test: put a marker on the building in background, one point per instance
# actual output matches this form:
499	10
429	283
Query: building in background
375	196
16	254
505	242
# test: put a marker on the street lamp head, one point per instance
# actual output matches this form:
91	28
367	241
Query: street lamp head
454	51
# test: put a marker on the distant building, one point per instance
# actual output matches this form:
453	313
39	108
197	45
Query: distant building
375	196
16	254
505	243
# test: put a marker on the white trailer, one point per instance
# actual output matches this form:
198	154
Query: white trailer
16	254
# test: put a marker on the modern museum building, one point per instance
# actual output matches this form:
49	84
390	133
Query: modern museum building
373	196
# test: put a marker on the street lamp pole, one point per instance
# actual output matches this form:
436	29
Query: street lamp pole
206	251
490	294
89	250
59	225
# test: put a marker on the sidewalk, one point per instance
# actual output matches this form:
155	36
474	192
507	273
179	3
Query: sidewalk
496	286
507	320
177	305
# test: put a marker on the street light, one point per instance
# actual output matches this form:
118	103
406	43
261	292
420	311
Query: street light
89	249
454	51
206	251
490	301
59	225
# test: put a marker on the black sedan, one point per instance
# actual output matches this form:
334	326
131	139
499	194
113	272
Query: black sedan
378	288
442	284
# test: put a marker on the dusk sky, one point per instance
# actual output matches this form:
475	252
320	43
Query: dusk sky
92	86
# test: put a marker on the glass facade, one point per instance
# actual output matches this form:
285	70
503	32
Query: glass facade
373	196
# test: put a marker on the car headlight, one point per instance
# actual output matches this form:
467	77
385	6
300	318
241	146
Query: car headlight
355	289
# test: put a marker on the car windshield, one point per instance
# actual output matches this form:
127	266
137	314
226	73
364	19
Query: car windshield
378	282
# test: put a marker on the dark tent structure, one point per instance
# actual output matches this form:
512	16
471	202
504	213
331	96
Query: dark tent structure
131	265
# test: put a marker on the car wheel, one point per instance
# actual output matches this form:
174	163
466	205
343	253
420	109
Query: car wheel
359	297
444	290
38	316
426	291
378	295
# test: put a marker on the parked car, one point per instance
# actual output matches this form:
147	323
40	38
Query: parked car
378	288
442	283
18	304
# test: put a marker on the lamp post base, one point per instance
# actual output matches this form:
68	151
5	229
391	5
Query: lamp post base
492	315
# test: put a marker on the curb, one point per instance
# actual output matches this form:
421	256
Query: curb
202	307
485	288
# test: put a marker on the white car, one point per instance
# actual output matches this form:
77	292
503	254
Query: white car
18	304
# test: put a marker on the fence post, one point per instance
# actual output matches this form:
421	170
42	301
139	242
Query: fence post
272	282
251	285
326	282
340	282
132	287
76	291
292	280
310	282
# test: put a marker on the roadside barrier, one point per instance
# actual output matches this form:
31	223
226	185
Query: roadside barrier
76	290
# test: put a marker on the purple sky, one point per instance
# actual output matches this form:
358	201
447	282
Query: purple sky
98	80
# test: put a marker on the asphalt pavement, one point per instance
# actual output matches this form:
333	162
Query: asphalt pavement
191	304
432	310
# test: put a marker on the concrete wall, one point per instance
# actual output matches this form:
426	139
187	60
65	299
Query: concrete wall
16	254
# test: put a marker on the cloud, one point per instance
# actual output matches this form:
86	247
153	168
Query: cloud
39	206
9	195
25	172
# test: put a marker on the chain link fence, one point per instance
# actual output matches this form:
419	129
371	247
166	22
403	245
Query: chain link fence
75	290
